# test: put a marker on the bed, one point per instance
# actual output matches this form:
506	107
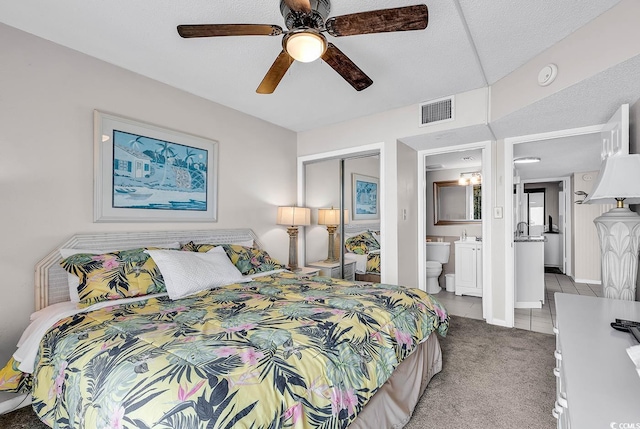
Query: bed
273	349
362	245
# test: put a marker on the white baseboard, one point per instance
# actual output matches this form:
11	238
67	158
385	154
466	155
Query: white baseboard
590	281
528	304
15	403
498	322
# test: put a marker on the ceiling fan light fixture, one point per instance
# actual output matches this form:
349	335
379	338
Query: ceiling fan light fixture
305	46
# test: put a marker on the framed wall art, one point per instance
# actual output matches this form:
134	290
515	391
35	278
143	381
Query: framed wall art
146	173
365	197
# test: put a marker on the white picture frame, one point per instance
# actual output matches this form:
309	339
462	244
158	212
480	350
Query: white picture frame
146	173
365	195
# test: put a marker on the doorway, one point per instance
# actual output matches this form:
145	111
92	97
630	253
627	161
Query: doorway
542	207
433	168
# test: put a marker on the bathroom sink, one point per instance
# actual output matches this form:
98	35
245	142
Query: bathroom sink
531	238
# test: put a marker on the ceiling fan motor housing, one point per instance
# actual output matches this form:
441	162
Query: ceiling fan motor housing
320	10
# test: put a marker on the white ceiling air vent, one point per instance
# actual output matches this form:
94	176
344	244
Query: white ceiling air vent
436	111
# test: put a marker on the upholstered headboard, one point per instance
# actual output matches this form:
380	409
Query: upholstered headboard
51	284
356	228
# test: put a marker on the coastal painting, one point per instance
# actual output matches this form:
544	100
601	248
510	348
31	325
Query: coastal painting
152	174
365	197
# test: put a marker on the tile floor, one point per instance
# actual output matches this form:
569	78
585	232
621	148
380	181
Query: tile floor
530	319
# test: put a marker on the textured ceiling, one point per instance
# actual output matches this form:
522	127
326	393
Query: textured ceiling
589	102
559	157
407	67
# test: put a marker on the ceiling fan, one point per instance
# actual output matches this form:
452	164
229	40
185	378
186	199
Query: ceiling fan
306	20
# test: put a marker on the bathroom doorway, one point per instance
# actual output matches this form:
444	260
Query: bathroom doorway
455	208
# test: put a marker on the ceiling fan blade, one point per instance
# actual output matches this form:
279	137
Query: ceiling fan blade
299	5
216	30
275	73
379	21
346	68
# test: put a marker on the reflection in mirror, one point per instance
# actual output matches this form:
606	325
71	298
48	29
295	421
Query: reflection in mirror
536	210
323	189
455	204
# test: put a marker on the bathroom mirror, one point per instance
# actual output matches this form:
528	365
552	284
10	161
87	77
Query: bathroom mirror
456	204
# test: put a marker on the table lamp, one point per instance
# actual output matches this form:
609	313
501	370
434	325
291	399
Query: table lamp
331	218
293	217
619	228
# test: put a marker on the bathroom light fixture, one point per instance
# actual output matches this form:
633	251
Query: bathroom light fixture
305	45
618	229
293	217
331	218
526	160
473	178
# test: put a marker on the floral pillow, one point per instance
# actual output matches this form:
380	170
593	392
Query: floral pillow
114	275
362	244
193	247
250	260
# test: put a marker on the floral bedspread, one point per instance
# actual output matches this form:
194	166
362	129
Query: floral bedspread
281	351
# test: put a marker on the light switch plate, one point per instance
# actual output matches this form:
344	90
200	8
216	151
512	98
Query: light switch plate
497	212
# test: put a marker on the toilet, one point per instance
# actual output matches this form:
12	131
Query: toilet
437	254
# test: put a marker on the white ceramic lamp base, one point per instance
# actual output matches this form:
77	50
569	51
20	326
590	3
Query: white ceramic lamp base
619	232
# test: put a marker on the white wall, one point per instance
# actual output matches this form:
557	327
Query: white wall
407	212
386	128
46	162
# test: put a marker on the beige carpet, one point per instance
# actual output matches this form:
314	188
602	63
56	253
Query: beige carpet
492	378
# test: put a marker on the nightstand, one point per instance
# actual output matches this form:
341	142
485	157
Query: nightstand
332	269
308	271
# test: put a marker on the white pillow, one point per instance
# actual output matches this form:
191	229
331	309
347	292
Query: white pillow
73	281
186	273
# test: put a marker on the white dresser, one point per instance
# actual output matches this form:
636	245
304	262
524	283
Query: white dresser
597	384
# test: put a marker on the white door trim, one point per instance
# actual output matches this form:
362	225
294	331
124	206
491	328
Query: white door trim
509	260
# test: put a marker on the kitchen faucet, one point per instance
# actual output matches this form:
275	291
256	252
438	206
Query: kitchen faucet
519	231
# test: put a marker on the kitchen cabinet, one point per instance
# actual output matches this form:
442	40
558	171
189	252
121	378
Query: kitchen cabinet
468	258
529	271
553	250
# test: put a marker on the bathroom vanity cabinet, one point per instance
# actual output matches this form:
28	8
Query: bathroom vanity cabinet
468	257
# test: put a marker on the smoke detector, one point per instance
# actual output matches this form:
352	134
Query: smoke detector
547	75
